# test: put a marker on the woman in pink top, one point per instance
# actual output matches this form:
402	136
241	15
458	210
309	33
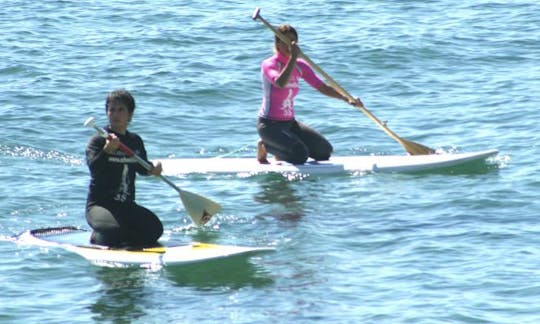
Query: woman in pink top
281	134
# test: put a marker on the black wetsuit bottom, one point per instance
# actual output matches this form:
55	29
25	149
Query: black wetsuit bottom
123	225
293	141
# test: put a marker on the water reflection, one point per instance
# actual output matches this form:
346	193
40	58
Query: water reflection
229	273
126	293
276	190
122	296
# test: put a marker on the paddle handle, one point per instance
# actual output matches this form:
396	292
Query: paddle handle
256	15
129	152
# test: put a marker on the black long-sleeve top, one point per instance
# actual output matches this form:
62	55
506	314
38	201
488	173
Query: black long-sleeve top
112	176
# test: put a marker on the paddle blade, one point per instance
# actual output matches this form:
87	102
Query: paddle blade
199	208
416	149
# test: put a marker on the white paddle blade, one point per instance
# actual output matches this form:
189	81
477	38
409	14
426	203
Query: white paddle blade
199	208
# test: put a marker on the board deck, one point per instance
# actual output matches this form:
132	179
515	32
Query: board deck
77	241
338	164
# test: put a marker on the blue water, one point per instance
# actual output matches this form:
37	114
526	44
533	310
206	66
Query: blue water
451	247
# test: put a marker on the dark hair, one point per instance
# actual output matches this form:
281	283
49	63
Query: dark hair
121	96
286	28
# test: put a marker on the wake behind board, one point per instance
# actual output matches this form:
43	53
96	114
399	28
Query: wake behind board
337	164
77	241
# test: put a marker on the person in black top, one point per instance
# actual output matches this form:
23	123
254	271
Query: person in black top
111	211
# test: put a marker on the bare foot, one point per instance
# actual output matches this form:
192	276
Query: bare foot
261	153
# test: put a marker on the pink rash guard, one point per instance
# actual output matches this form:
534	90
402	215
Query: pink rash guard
278	103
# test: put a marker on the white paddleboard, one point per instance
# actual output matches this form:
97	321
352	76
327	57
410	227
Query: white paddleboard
77	241
337	164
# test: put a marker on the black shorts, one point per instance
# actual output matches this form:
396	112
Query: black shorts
293	141
123	224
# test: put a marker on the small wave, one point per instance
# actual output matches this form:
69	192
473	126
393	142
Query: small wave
37	154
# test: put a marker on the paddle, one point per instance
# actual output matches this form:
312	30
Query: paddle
199	208
411	147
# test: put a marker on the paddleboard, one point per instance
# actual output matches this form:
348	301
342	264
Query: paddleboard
337	164
77	241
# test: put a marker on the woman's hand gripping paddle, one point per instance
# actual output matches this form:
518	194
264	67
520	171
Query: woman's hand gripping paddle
411	147
199	208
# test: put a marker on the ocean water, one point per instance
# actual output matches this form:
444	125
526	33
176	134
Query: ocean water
446	247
